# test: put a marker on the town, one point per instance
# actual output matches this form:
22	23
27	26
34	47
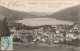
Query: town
47	34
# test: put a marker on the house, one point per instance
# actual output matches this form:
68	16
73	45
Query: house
57	31
72	36
13	30
59	35
78	36
77	25
69	35
56	40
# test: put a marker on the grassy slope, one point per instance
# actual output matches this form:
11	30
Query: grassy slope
38	48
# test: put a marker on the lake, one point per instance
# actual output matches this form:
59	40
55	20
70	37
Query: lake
43	21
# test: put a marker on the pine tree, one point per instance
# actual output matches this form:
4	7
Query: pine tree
4	31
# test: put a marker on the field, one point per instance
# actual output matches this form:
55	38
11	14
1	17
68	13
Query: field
27	47
38	48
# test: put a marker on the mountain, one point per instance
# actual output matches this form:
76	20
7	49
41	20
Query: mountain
68	14
12	15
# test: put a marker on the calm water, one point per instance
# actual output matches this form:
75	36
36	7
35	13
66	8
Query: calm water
43	21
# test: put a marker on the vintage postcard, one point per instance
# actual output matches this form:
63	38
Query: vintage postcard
39	25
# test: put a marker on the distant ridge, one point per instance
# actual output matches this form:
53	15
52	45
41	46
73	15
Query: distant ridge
68	14
12	15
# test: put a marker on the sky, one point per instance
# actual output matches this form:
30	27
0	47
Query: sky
38	5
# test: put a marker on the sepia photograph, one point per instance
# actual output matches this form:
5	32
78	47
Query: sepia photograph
39	25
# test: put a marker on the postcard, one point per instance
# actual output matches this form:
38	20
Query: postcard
39	25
